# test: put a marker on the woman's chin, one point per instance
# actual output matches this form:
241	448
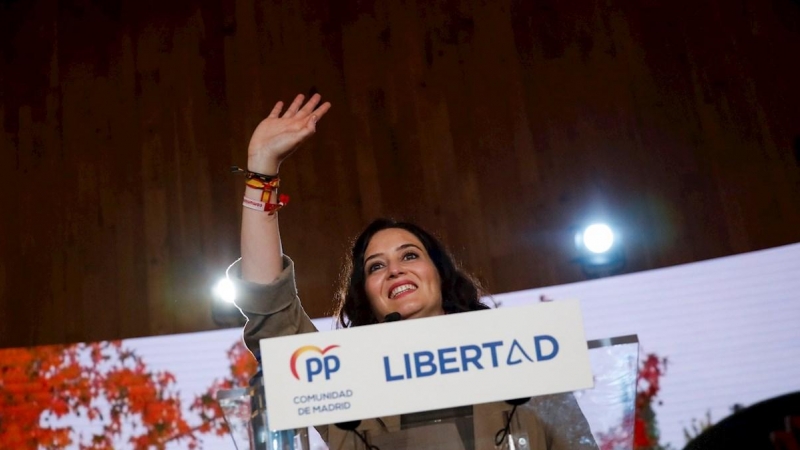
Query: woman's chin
412	308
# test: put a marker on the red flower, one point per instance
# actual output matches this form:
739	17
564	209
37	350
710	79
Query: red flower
640	436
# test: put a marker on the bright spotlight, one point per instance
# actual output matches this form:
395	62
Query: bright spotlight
225	290
600	252
598	238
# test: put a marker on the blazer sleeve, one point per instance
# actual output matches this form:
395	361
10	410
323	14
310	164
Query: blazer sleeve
271	309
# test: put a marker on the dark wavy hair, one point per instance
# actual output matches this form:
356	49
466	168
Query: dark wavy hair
460	291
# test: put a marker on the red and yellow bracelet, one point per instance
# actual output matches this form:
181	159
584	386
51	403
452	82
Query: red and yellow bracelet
270	208
266	188
267	184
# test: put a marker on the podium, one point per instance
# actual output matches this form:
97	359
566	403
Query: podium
608	408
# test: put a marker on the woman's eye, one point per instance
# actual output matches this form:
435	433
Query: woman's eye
374	267
410	255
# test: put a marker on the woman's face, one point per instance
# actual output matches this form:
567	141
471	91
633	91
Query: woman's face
400	276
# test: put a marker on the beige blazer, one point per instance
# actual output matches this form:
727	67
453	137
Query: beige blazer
566	428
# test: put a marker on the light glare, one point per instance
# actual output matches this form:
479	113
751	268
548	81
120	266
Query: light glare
225	290
598	238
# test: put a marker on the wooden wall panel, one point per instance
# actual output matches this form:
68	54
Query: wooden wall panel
499	125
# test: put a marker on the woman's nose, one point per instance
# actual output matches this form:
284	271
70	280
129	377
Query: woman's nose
395	271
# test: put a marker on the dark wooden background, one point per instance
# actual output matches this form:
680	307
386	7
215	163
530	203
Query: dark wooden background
501	125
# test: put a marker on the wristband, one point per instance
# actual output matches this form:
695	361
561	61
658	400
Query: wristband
266	188
269	208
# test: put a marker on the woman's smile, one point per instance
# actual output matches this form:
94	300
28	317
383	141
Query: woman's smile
400	289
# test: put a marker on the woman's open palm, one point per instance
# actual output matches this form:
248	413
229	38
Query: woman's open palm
277	136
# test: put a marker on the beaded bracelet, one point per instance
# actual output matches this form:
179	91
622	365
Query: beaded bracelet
251	175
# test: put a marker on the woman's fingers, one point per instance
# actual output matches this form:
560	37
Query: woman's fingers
276	111
294	107
319	112
295	110
311	123
310	105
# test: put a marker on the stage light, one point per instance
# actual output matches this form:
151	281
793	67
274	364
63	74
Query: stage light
598	238
599	250
225	290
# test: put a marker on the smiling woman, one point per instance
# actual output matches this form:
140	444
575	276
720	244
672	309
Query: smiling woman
395	268
399	267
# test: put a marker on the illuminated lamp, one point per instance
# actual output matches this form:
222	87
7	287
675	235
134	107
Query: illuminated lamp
599	250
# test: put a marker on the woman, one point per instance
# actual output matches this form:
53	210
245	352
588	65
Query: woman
394	268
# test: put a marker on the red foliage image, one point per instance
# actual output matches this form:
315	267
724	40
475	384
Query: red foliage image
642	421
110	387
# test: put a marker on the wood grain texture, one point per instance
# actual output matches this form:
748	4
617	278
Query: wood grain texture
499	125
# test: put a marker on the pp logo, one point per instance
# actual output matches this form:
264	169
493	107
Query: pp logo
315	365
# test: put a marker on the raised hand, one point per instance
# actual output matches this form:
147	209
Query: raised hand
277	136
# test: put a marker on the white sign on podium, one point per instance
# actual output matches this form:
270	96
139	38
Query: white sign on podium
424	364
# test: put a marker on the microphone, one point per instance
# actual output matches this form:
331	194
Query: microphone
518	401
348	426
503	433
393	317
351	426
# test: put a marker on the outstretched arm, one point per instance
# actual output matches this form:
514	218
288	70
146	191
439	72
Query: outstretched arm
275	138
